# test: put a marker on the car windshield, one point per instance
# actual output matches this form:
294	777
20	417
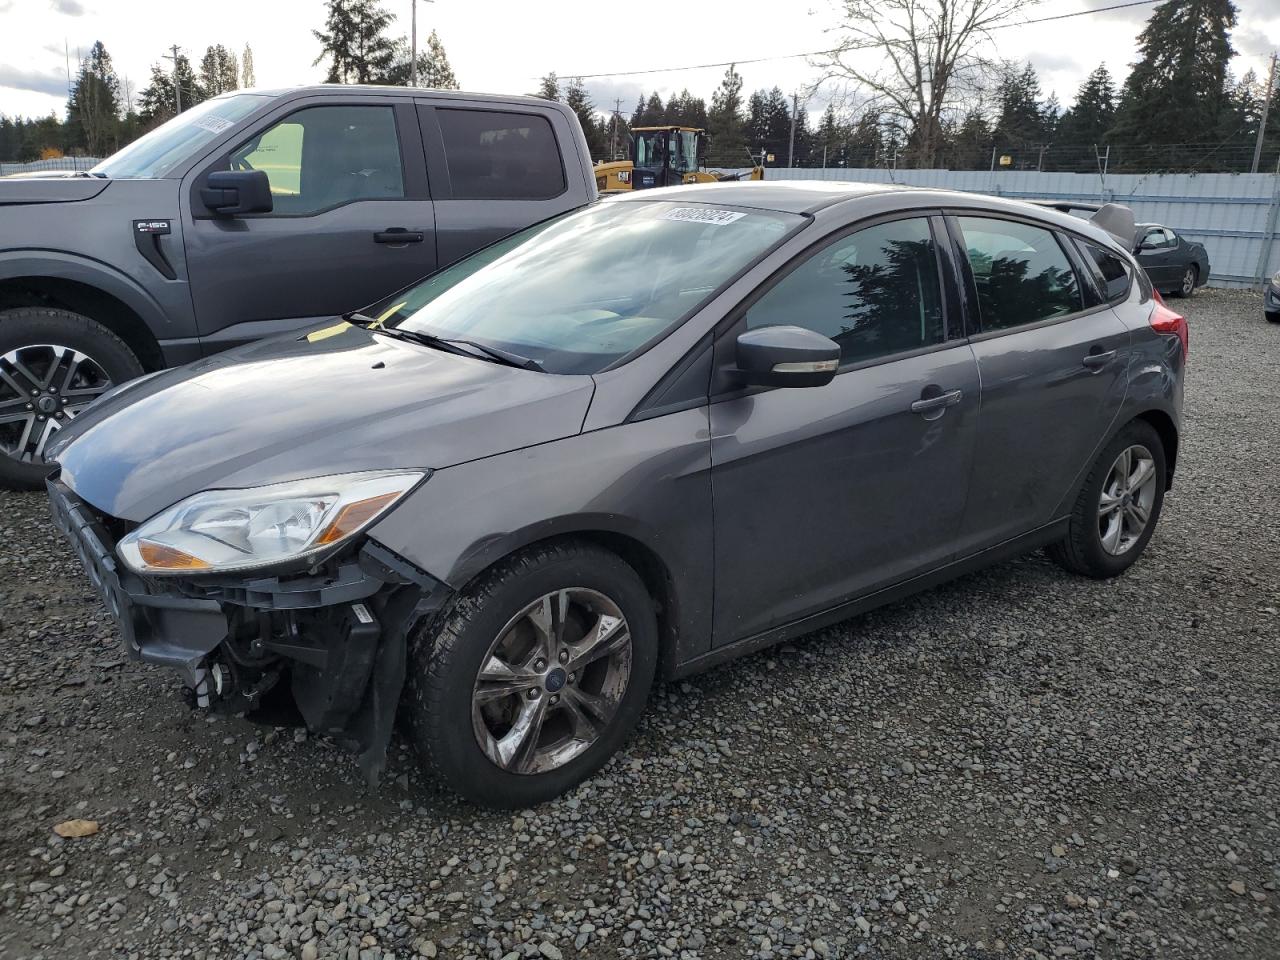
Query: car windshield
155	155
578	293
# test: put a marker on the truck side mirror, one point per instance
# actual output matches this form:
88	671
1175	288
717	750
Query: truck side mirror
229	192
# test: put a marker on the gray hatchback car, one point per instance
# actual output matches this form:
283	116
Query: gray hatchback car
643	437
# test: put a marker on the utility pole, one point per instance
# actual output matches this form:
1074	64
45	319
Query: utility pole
613	137
791	145
1266	106
413	43
177	83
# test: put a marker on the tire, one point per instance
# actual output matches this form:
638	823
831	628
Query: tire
1083	551
32	340
1273	316
1190	277
462	745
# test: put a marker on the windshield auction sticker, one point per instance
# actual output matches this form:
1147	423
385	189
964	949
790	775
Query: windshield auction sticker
717	218
214	123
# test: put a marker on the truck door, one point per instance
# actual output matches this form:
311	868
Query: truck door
352	219
494	170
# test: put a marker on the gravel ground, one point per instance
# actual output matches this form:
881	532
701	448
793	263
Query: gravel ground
1018	764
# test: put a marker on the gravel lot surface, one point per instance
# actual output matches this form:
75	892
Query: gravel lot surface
1018	764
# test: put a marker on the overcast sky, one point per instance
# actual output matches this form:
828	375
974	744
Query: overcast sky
503	46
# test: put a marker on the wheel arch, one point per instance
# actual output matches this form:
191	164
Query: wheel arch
90	301
653	571
1163	425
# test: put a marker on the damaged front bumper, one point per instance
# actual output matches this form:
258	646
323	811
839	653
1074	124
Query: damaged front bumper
336	634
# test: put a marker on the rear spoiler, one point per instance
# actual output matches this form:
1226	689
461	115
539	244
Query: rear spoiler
1115	218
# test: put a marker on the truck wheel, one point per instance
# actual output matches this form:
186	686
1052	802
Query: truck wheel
536	675
53	364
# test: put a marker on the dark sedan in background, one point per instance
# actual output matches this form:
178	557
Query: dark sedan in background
1174	263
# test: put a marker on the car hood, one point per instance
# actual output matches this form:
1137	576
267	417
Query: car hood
49	189
332	400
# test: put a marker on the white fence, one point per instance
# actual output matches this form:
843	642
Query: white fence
1233	214
41	166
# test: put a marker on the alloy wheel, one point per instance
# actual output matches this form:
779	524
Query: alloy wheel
1189	282
42	386
552	681
1128	495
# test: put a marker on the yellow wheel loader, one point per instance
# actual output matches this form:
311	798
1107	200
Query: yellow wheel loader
663	157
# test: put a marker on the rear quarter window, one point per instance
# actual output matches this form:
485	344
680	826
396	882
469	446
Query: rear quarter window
495	155
1110	271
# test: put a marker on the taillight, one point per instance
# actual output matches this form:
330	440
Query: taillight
1164	320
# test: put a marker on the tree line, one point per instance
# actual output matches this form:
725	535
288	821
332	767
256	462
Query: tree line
102	115
1180	108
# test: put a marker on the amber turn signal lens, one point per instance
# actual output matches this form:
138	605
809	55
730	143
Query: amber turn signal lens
161	557
354	516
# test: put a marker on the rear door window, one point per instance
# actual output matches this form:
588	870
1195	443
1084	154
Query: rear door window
495	155
1021	272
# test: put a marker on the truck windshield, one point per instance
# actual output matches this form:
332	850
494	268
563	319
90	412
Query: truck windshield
159	152
588	289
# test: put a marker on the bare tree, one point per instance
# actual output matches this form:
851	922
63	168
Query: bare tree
917	61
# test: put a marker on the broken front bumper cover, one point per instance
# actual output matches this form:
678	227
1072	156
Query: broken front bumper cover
338	633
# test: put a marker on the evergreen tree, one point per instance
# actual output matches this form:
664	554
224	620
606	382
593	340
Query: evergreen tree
639	117
93	108
1176	91
219	71
156	100
725	129
434	70
578	100
654	112
1020	123
355	41
1093	112
970	147
247	79
184	76
828	140
549	87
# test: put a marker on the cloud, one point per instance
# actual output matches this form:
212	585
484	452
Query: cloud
52	82
71	8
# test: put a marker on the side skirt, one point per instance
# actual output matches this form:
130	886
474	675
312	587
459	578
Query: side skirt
1016	547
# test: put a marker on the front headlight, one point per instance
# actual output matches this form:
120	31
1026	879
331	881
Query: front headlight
1276	279
224	530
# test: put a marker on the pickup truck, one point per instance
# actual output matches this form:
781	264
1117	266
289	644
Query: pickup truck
252	214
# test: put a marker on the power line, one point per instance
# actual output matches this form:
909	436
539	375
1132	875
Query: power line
856	46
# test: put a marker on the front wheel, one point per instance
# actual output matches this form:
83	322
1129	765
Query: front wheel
53	364
1118	506
535	677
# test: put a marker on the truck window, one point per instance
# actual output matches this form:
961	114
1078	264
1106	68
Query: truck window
322	157
500	156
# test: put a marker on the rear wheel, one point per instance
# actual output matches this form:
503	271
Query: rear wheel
1118	505
535	677
53	364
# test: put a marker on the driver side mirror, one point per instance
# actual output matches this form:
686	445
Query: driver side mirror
786	356
229	192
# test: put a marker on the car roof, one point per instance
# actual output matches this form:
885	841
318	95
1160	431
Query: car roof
811	196
783	196
346	89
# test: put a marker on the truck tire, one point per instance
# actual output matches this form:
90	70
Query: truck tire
535	676
53	364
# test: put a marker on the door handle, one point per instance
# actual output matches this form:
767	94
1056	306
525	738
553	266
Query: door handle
399	235
940	402
1096	361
